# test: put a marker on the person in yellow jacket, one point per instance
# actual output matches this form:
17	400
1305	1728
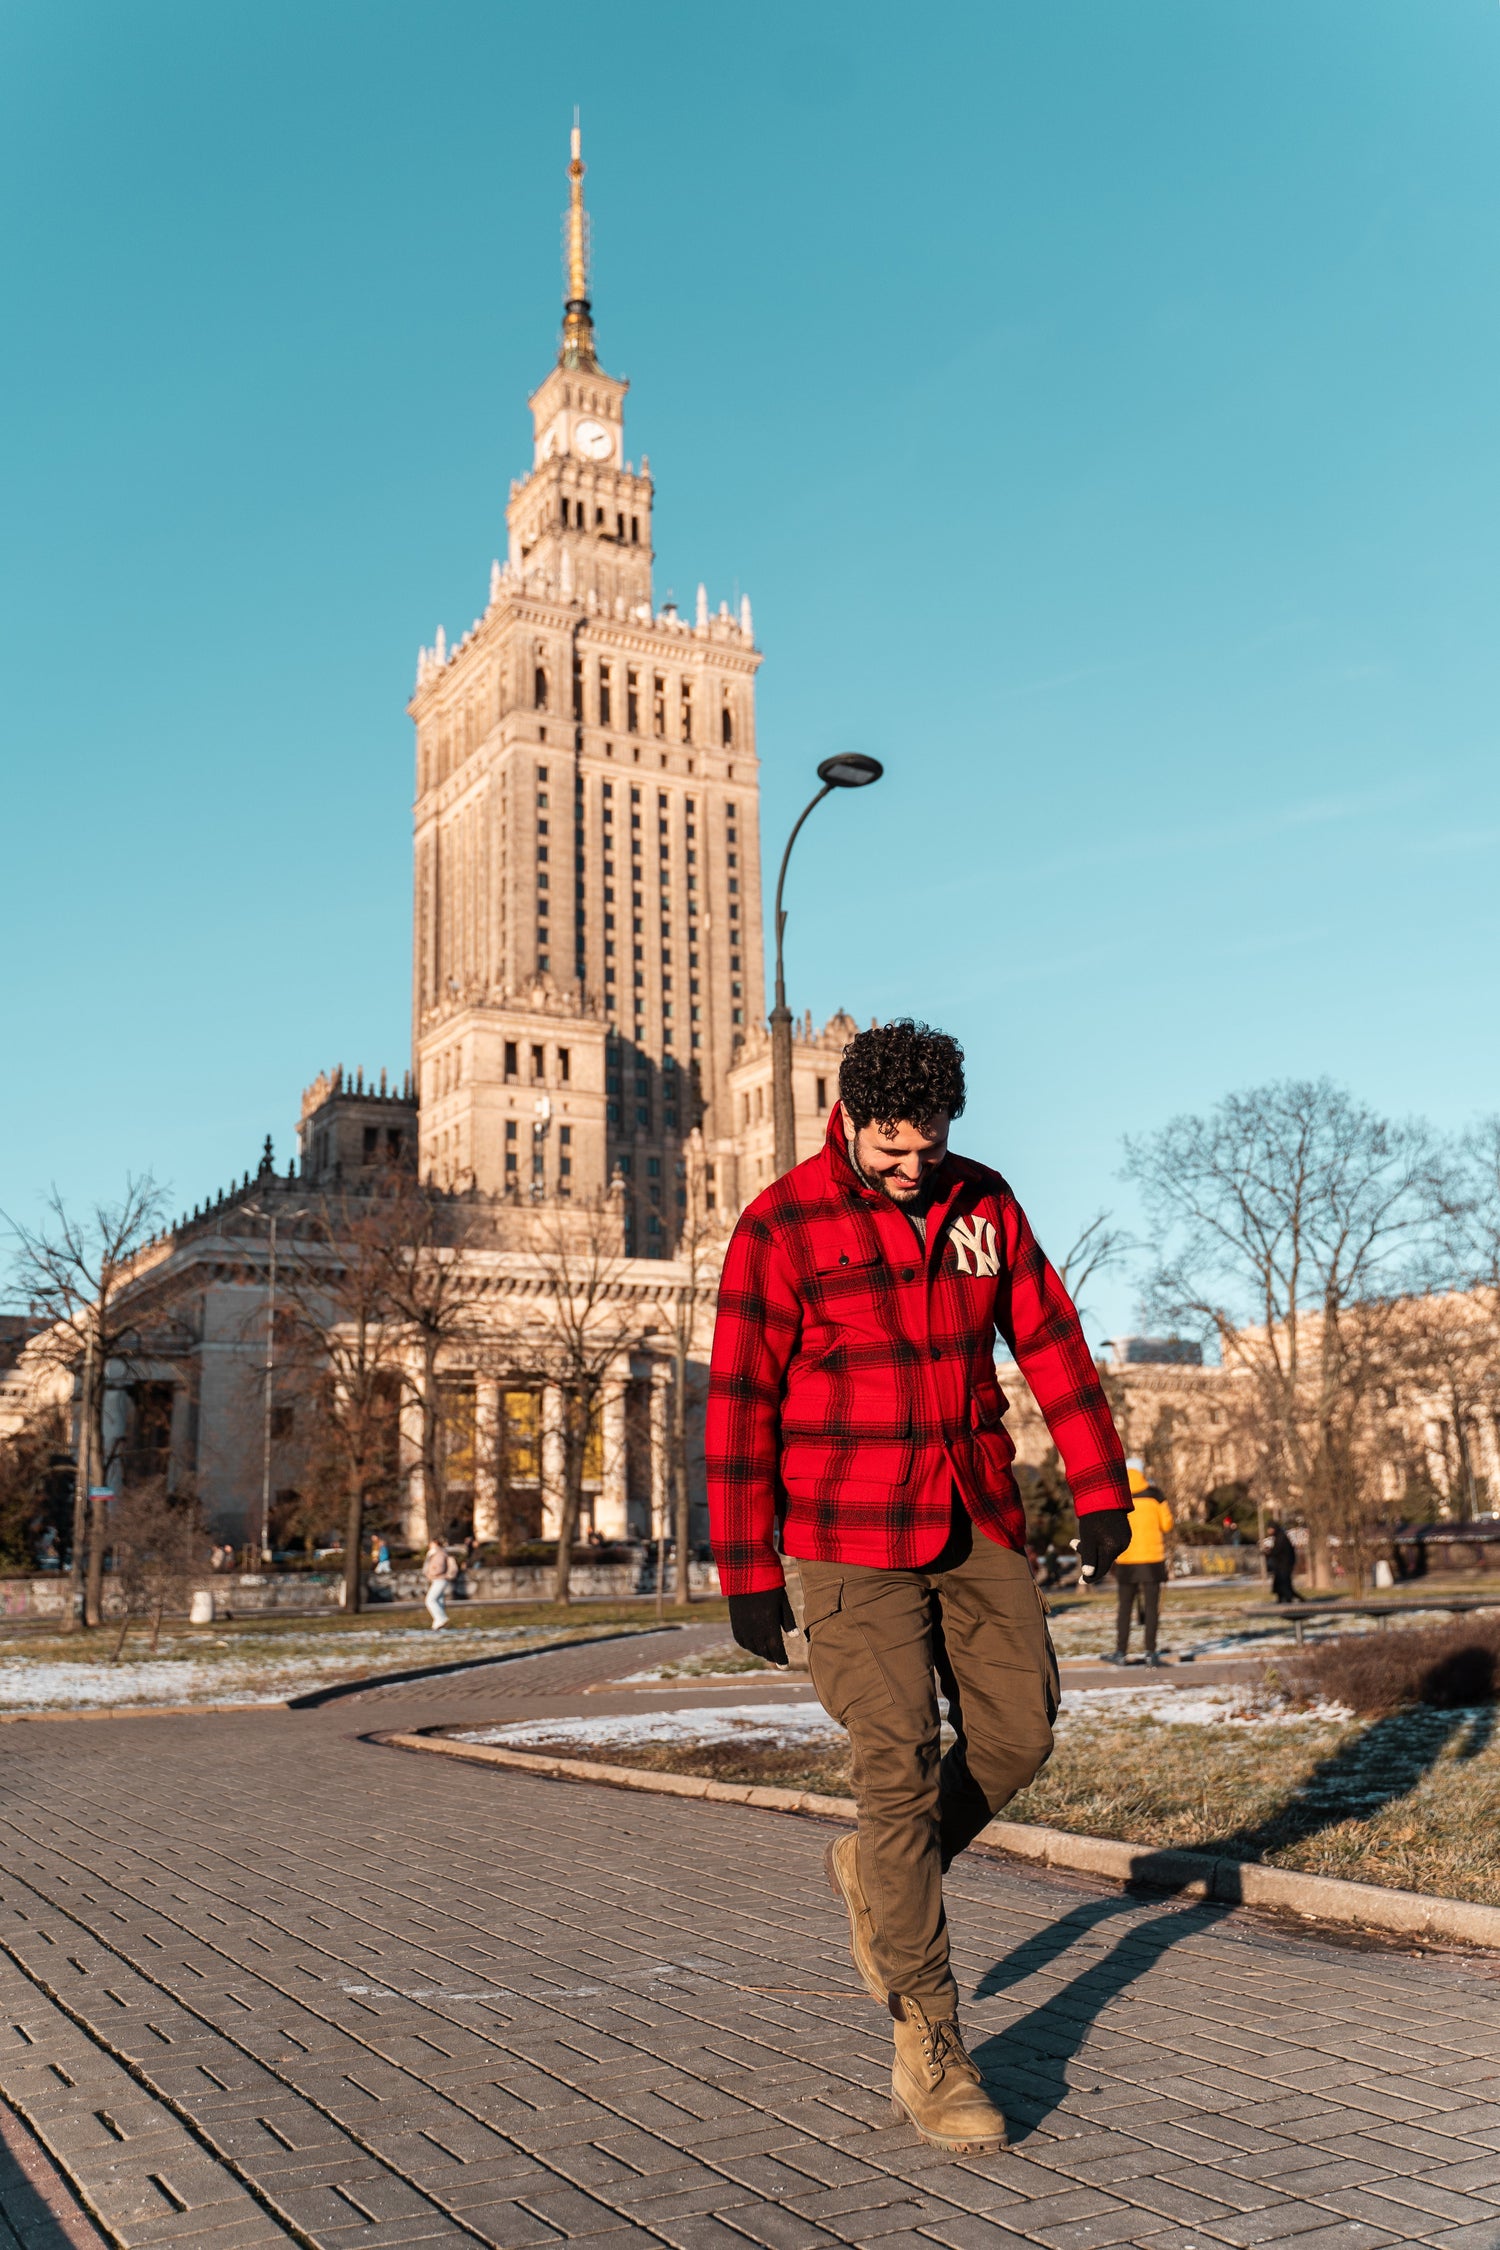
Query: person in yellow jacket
1141	1570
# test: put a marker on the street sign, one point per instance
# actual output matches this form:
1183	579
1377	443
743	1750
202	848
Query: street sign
100	1492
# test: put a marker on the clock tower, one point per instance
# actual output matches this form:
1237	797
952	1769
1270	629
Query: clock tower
583	513
587	958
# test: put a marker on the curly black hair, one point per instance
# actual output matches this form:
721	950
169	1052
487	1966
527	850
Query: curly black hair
901	1073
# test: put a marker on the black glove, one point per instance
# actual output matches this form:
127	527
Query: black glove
757	1622
1103	1536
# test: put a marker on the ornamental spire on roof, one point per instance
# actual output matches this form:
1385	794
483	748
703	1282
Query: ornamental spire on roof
578	326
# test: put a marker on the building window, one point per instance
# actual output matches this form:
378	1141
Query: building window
726	726
538	1059
687	710
539	687
604	695
564	1071
577	685
633	700
512	1064
658	703
822	1082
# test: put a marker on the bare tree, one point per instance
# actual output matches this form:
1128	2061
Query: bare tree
1447	1349
1287	1223
30	1473
1097	1248
583	1320
433	1291
70	1272
350	1337
157	1540
700	1251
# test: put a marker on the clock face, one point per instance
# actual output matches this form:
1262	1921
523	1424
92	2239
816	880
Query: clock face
593	441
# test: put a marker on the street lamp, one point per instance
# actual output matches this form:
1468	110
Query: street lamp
852	770
259	1211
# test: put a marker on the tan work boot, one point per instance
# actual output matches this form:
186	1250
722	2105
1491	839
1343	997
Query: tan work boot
842	1863
936	2086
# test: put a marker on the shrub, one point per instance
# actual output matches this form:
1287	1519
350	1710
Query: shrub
1447	1666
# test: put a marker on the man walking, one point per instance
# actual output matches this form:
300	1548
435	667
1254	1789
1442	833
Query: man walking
1140	1572
853	1405
1281	1561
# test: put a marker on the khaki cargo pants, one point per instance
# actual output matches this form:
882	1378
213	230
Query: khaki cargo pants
879	1642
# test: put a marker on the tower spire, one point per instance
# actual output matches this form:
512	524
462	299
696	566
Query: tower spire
578	326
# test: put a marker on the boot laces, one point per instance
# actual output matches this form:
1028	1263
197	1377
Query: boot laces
946	2050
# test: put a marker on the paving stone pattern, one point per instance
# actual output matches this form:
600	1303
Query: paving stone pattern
262	1981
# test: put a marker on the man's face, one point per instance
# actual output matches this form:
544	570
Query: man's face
901	1159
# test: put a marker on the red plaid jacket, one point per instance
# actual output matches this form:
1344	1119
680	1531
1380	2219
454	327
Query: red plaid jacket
853	1377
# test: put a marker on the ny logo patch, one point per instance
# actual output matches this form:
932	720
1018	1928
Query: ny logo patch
975	1247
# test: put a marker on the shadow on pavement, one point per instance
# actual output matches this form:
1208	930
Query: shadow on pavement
31	2214
1027	2062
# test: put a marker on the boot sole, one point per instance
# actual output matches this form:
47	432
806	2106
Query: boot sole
990	2147
876	1990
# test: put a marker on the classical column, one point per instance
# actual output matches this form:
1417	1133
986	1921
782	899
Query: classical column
661	1487
115	1418
410	1457
552	1460
486	1458
610	1509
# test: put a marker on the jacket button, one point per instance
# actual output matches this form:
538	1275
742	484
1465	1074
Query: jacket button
908	1273
937	1351
843	1257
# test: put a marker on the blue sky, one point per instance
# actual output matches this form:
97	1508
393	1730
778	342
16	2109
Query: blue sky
1097	402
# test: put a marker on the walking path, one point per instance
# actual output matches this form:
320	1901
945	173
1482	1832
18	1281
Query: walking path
266	1982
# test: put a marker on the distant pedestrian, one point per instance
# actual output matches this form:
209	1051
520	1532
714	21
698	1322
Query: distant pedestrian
439	1569
1139	1572
381	1560
1281	1561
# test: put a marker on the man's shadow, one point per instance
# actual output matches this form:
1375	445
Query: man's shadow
1028	2062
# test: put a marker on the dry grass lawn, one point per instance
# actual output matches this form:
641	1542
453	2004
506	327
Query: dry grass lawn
1410	1800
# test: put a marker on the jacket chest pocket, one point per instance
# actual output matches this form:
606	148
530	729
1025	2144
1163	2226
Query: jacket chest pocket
850	1291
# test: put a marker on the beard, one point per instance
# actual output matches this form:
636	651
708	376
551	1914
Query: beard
910	1195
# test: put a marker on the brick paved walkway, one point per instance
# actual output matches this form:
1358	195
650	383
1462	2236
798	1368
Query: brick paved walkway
265	1982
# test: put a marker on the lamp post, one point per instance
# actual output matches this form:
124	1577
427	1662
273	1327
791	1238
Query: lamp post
258	1211
851	771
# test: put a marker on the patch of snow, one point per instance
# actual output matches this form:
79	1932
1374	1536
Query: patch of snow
243	1675
100	1687
761	1725
1208	1707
